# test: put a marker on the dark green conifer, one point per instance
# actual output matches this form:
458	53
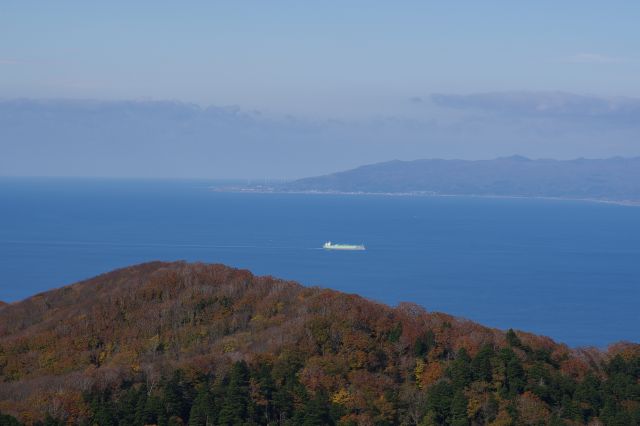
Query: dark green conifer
141	415
459	409
460	370
126	407
317	411
7	420
178	396
481	367
264	408
512	339
424	343
439	398
236	401
50	421
202	413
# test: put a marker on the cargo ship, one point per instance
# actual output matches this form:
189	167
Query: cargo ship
331	246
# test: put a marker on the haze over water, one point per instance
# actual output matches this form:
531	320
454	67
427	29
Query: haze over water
564	269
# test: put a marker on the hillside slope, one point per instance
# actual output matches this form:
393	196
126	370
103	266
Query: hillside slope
169	343
610	179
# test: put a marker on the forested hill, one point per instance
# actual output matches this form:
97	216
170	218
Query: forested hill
615	179
178	343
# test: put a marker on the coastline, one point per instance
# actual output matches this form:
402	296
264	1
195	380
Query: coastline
268	190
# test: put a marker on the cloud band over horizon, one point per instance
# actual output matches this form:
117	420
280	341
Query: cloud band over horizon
176	139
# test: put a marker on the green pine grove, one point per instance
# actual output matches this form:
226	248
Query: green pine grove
271	394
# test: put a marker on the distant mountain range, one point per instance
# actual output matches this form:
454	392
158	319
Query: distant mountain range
178	343
615	179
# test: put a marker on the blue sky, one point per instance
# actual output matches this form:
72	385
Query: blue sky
353	62
315	56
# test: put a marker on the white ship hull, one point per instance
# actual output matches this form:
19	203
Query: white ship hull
349	247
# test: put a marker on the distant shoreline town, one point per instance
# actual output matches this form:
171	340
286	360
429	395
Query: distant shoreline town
269	190
613	180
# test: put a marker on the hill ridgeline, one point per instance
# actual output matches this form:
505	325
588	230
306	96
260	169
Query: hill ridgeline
179	343
613	179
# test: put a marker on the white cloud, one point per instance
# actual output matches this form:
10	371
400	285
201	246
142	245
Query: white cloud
556	104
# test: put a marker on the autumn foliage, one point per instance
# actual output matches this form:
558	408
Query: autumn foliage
178	343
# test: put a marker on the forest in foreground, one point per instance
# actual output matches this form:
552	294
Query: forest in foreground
198	344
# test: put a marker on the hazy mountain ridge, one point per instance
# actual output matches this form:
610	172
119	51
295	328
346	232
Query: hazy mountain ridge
170	343
616	179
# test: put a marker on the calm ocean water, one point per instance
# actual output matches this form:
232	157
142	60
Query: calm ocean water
569	270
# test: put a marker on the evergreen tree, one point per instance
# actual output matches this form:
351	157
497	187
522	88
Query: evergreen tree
424	343
288	388
459	409
490	410
539	383
202	413
481	367
266	387
570	410
514	376
236	401
126	407
439	398
512	339
178	396
7	420
104	415
103	409
50	421
395	333
154	411
283	402
317	411
588	394
460	371
142	416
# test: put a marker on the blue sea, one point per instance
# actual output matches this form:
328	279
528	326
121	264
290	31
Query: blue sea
566	269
